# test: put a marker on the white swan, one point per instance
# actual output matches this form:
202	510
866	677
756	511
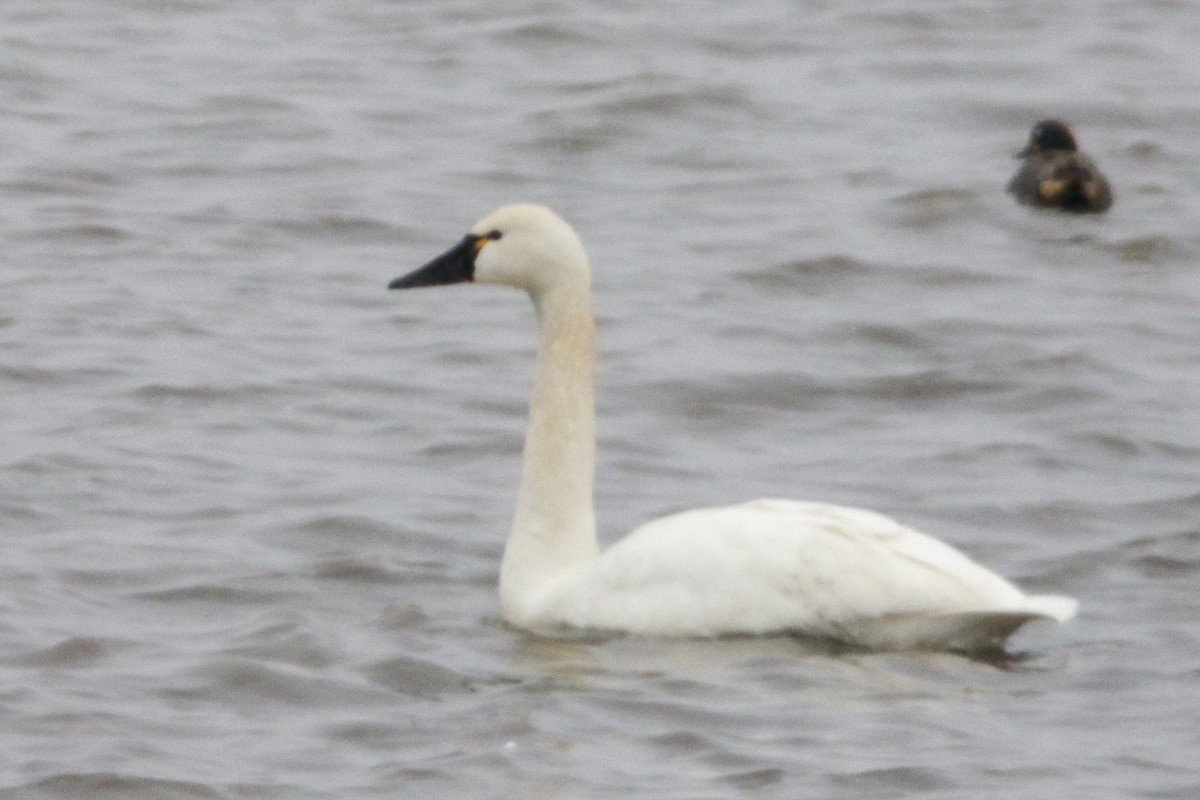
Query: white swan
765	567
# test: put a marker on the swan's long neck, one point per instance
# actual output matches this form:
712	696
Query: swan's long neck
554	530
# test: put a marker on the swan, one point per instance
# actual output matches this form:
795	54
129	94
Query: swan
767	567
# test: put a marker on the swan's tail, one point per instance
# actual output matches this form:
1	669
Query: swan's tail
1053	606
963	631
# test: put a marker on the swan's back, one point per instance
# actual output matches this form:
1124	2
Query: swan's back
781	566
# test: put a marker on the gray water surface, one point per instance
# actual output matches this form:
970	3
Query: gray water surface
253	504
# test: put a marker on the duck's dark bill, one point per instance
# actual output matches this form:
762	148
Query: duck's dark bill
456	265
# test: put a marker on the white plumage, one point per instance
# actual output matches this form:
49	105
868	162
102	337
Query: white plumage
764	567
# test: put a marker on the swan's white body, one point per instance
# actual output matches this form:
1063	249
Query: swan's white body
765	567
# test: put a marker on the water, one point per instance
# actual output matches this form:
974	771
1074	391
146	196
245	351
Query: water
253	504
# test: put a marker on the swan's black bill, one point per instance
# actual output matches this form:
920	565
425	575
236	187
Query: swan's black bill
456	265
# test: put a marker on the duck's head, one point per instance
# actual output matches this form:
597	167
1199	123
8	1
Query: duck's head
1049	134
523	245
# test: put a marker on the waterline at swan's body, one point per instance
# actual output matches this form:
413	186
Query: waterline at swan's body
769	566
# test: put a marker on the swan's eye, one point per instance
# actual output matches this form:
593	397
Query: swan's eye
493	235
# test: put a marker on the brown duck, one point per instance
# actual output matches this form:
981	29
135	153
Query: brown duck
1056	174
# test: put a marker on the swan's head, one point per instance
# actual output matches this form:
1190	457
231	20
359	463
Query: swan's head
524	245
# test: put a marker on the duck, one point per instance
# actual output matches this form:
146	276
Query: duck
762	568
1055	173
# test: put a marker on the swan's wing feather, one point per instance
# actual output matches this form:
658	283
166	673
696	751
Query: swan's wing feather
776	565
